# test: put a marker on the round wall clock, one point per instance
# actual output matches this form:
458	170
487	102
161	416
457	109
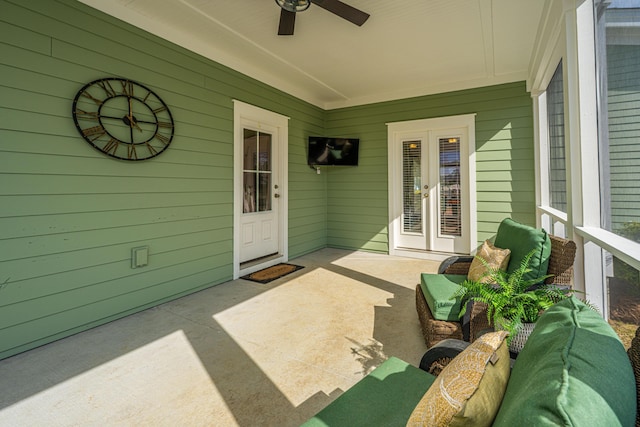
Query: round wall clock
123	119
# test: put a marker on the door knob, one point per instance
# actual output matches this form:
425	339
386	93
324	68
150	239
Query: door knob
276	195
426	195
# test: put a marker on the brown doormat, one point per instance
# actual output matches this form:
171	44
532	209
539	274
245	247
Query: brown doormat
272	273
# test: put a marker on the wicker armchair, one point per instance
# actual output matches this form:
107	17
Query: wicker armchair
475	322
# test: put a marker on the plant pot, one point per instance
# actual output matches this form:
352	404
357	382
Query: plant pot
518	341
521	337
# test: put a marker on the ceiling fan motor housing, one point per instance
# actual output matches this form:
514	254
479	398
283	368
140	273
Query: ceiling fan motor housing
294	5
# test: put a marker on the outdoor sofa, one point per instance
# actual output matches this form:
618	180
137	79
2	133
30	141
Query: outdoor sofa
573	371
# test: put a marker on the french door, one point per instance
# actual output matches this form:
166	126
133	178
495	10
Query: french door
430	188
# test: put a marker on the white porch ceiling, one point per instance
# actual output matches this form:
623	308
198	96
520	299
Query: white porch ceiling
406	48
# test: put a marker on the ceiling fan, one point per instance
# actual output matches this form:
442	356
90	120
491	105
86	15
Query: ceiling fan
291	7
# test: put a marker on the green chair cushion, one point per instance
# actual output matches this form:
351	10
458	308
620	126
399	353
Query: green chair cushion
385	397
522	239
573	371
437	290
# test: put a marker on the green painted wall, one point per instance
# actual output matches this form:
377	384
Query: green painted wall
357	205
69	215
623	62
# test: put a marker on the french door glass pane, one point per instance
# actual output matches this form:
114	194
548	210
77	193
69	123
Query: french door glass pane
411	187
449	166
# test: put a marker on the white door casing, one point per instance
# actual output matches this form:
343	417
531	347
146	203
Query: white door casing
430	208
260	188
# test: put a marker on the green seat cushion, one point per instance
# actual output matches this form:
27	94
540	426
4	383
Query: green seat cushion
385	397
437	290
522	239
573	371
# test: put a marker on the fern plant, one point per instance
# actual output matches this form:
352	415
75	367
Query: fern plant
511	301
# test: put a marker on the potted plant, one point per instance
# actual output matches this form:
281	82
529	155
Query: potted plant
513	304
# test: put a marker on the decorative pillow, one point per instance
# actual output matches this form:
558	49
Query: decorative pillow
470	388
495	257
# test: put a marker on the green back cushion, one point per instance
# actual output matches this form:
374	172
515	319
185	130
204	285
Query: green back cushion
521	239
437	290
385	397
573	371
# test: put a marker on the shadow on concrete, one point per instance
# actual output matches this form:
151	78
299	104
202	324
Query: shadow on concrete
237	377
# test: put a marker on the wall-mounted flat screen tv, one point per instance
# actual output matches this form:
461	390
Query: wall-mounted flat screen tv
325	151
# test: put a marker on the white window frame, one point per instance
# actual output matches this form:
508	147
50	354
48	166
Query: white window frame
568	33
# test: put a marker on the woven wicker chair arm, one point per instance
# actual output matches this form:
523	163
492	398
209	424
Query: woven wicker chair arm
455	265
478	322
442	353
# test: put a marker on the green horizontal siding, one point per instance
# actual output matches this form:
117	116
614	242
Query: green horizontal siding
71	215
504	161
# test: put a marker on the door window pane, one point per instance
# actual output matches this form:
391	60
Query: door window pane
411	187
250	159
450	187
257	171
249	196
264	191
265	152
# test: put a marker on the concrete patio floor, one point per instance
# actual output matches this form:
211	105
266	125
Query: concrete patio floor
237	354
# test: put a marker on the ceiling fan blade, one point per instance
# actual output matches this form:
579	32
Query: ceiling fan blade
287	22
343	10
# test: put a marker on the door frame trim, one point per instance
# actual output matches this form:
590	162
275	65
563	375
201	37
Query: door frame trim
428	125
242	110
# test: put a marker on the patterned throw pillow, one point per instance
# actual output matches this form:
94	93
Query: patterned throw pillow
495	257
469	390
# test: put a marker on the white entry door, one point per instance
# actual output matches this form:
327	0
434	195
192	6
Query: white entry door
430	191
259	221
260	207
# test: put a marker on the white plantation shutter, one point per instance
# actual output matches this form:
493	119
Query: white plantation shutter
411	187
450	191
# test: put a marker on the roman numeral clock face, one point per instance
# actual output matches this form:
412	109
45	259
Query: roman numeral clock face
123	119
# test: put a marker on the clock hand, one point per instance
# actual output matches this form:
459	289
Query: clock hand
130	119
134	123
